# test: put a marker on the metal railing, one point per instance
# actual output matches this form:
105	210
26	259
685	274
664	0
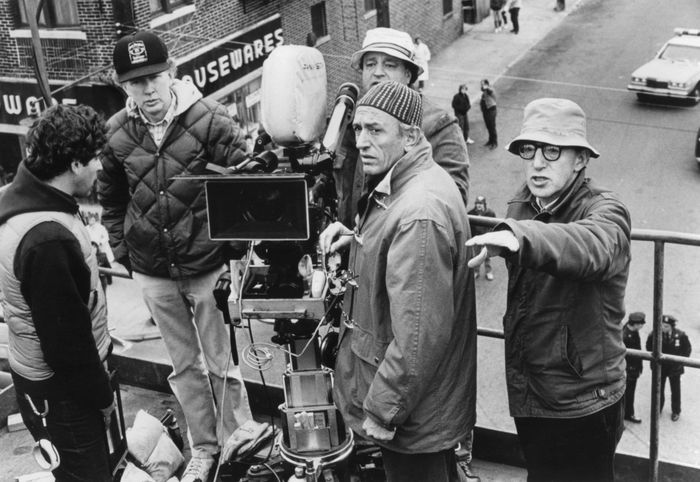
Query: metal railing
655	357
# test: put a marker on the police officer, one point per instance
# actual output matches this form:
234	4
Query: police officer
630	335
674	342
481	209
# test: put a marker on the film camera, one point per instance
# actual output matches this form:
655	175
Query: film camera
280	201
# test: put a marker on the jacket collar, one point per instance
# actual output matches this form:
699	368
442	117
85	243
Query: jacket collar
29	194
417	159
524	196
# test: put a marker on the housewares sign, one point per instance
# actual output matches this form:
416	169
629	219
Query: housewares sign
232	60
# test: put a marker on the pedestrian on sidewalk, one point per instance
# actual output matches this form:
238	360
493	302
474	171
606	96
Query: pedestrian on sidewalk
488	110
388	54
461	105
422	59
481	209
630	336
560	6
514	10
566	243
158	230
673	342
100	239
54	307
496	7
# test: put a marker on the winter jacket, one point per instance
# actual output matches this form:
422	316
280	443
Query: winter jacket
461	103
565	305
156	223
631	340
409	360
449	151
53	303
675	343
488	99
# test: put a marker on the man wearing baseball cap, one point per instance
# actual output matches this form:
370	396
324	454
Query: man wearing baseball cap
389	54
158	230
409	342
566	243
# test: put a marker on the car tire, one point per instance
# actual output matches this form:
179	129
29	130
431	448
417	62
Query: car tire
695	94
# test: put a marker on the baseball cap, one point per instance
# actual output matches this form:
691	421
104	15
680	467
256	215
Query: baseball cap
637	317
139	54
559	122
387	41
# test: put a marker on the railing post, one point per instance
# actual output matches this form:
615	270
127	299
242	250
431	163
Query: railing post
655	365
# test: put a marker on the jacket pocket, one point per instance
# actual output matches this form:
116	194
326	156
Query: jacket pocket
569	352
366	347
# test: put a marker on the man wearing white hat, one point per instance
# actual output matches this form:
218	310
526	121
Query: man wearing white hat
566	242
389	54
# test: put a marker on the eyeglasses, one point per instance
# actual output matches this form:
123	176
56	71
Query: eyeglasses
527	151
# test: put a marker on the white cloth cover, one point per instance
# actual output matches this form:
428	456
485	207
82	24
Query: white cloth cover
143	436
293	95
165	459
134	474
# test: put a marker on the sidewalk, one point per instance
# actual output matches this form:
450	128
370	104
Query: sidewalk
480	53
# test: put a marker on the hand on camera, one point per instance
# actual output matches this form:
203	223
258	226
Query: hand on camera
335	237
493	244
376	431
107	413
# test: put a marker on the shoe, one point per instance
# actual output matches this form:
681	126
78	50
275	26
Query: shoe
493	146
675	417
198	469
476	275
470	140
466	470
489	276
633	419
488	144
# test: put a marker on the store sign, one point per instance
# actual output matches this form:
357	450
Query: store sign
233	59
20	100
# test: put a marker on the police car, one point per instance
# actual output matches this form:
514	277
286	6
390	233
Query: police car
674	72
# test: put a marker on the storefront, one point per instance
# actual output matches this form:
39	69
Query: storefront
230	70
21	103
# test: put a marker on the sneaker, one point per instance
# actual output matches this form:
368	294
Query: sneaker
470	140
476	274
467	473
198	469
489	276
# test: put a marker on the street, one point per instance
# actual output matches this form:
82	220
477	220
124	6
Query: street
646	157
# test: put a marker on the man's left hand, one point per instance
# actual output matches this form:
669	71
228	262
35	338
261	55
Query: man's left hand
376	431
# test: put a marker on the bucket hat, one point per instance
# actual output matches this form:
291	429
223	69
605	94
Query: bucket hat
139	54
559	122
387	41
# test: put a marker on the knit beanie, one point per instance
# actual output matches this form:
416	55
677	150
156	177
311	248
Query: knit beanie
397	100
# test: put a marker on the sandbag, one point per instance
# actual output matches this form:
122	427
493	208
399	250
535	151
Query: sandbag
134	474
165	459
293	95
143	436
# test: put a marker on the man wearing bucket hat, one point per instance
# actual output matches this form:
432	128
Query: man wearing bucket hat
673	342
409	343
566	243
389	54
158	229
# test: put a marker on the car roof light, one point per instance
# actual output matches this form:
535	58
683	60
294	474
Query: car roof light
687	31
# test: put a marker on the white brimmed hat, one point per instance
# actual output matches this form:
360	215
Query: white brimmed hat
559	122
387	41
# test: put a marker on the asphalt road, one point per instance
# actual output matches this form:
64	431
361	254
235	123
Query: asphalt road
647	157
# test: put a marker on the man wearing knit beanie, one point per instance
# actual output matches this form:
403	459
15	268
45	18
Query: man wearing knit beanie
408	344
388	54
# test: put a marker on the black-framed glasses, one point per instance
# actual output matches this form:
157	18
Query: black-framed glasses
527	150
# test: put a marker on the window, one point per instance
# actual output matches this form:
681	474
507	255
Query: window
446	7
165	6
370	5
318	20
56	13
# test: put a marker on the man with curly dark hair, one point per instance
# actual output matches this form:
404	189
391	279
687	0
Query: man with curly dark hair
54	306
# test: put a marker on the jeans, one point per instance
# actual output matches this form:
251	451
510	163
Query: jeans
675	382
463	121
77	432
514	12
571	449
490	121
197	342
432	467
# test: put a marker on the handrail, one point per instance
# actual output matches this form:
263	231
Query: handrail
655	357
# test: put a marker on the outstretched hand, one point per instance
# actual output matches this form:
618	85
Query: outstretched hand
495	243
334	238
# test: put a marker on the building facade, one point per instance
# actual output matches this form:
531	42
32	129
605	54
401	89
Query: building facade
219	45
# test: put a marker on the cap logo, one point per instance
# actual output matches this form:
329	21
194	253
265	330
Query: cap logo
137	52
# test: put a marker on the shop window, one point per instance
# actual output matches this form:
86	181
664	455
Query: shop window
318	20
165	6
370	5
54	14
446	7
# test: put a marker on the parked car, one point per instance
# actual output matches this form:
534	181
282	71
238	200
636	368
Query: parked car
697	147
674	71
